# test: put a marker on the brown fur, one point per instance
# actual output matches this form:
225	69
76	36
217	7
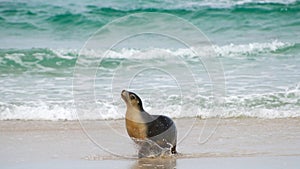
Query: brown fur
136	130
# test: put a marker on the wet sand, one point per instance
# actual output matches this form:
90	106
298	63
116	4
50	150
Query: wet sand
213	143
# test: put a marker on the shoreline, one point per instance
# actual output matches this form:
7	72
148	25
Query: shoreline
26	143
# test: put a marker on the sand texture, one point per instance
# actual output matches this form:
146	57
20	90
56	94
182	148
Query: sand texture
210	143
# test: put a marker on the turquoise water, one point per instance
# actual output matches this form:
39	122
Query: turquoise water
257	43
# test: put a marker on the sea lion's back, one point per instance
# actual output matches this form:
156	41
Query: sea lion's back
162	129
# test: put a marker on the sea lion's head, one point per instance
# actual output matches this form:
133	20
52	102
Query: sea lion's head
132	100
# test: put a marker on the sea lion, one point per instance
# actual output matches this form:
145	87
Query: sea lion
141	126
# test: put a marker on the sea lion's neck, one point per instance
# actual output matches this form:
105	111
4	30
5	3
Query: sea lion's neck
136	115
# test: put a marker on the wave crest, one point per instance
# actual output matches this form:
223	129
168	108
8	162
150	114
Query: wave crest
47	60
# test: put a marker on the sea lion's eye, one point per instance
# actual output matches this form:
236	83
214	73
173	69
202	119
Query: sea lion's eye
132	97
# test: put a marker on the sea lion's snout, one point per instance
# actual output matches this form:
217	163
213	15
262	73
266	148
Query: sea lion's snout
124	95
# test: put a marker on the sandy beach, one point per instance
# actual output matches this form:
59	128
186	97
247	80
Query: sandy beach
224	143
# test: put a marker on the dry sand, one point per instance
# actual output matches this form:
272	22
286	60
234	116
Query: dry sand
213	143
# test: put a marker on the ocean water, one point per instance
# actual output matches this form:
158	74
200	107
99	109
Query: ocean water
43	44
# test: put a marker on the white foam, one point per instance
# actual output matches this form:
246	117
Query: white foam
59	113
285	104
231	50
194	5
36	111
